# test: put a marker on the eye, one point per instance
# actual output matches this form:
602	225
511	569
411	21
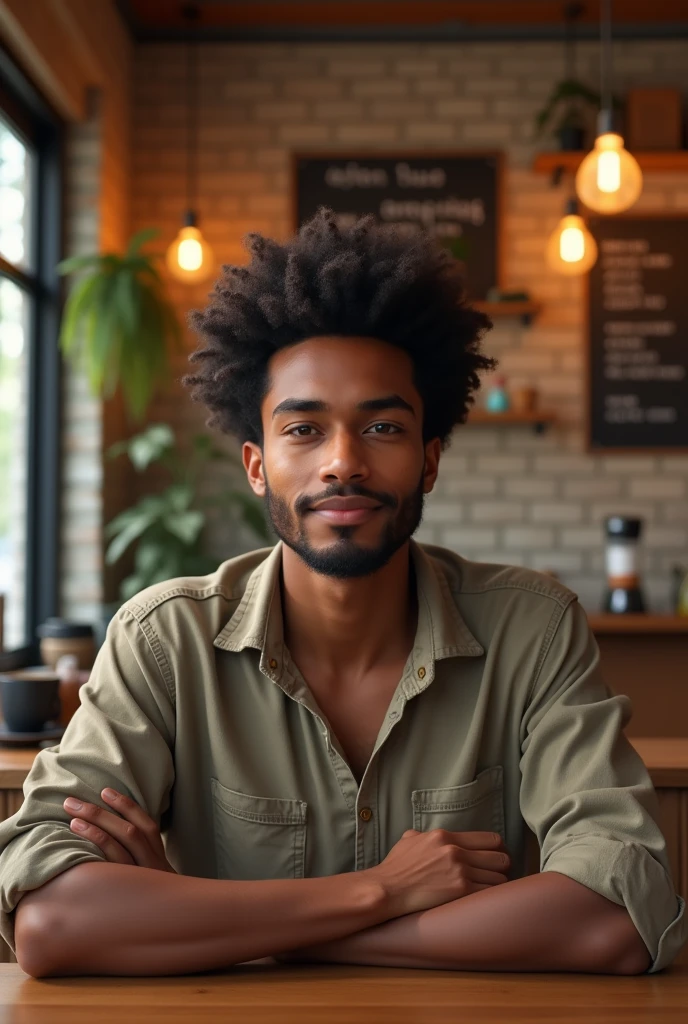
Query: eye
301	426
391	425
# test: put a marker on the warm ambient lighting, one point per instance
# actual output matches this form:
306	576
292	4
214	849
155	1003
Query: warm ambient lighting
190	258
609	179
571	249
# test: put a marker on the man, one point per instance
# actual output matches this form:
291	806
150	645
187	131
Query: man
344	739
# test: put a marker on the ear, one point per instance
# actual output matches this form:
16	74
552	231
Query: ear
432	462
252	457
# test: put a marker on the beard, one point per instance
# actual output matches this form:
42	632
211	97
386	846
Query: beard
345	558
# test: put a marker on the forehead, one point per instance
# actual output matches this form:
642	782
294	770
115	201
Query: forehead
345	365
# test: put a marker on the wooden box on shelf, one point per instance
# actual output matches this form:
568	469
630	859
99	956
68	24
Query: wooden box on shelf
654	119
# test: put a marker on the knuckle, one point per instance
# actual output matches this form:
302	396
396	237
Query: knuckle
132	832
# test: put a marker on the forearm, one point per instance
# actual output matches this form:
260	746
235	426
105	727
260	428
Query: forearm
544	922
115	919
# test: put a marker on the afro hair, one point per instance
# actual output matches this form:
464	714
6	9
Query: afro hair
363	281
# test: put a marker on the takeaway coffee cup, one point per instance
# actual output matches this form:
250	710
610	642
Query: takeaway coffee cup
30	697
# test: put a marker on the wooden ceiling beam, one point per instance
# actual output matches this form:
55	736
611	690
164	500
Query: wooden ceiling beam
241	15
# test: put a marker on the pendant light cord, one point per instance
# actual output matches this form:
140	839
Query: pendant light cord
191	12
606	55
571	12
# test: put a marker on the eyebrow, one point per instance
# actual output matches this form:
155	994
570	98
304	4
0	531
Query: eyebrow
369	405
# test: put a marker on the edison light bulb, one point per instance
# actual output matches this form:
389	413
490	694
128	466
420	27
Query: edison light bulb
571	248
190	258
609	179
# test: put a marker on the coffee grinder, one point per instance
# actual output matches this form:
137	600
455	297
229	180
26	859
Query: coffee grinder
624	593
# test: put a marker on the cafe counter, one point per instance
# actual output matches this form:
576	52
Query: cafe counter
666	760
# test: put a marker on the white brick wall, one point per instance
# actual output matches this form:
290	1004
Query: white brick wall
502	495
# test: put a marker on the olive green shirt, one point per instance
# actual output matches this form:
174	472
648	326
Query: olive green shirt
501	721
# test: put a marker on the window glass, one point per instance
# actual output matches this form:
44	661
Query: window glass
15	198
14	309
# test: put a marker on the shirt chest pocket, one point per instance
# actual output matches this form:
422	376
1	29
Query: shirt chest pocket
477	806
258	836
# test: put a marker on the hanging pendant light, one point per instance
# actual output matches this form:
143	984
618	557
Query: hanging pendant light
571	249
190	258
609	179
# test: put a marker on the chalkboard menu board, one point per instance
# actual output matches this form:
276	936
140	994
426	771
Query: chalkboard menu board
455	197
638	343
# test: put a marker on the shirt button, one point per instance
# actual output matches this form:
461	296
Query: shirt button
365	813
421	673
273	663
393	715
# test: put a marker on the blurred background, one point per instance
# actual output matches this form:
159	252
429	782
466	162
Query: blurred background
544	143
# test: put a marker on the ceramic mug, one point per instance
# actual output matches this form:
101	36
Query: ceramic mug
30	697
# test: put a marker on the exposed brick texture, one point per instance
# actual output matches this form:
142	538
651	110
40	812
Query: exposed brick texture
502	495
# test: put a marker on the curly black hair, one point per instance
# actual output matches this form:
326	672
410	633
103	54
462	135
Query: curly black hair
363	281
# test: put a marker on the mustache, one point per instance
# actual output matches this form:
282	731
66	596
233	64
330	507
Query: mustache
304	503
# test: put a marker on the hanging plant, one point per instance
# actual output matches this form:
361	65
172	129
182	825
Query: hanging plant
118	324
566	108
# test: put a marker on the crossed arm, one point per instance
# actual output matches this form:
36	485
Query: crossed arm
544	922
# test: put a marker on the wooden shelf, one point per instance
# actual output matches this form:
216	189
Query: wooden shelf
539	420
649	160
525	311
666	758
638	623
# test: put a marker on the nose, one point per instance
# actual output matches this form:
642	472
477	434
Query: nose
343	459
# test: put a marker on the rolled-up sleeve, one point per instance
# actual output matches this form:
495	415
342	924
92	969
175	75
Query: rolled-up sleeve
121	736
586	793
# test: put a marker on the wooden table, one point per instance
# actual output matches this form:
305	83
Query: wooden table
665	758
263	992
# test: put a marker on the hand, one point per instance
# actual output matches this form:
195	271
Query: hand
132	839
426	869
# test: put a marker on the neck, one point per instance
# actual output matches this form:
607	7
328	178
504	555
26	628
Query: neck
349	628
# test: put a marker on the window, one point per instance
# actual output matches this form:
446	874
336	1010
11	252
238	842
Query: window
29	364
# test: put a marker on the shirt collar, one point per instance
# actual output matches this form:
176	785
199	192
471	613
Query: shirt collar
257	621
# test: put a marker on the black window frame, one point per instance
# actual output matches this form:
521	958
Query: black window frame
28	113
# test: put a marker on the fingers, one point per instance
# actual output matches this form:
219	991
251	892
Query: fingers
478	840
113	834
486	860
110	847
486	877
130	810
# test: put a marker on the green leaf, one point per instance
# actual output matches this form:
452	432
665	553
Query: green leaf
139	239
185	525
178	497
128	535
101	337
252	513
77	307
152	507
76	263
150	445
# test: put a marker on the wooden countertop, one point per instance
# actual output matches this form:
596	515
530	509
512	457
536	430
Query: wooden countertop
636	623
666	760
266	992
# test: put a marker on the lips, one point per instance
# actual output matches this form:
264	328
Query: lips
346	504
349	511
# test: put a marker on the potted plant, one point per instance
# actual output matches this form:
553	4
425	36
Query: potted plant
120	329
565	113
168	527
